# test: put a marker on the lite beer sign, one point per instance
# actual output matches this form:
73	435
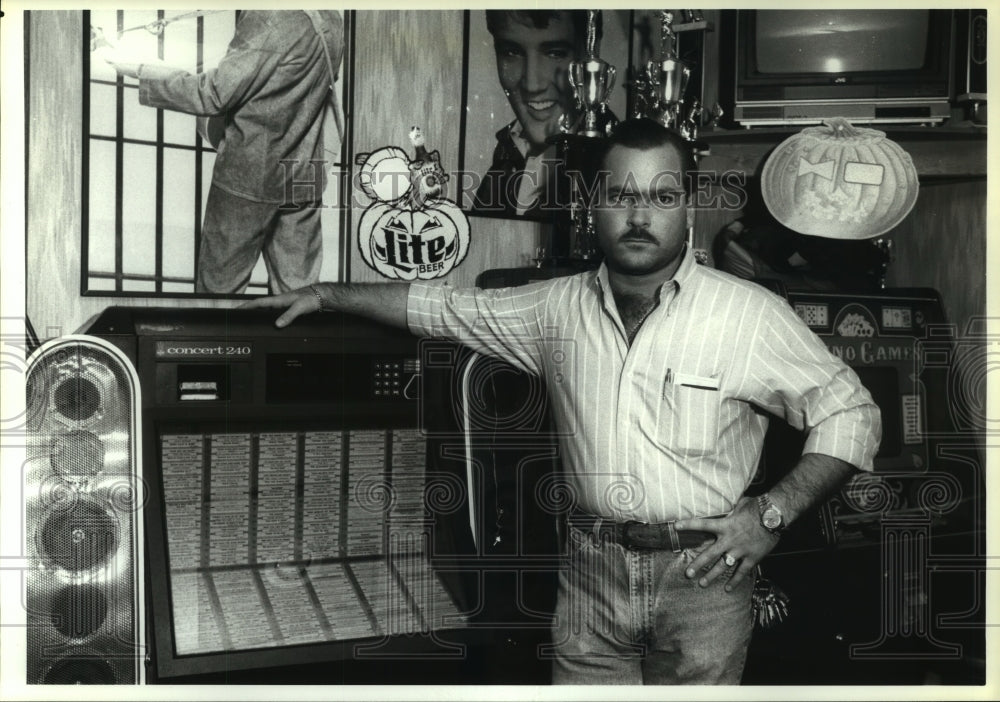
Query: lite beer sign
410	232
413	244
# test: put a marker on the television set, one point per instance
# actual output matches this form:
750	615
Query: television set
870	66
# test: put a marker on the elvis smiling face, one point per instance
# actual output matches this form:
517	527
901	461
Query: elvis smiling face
533	67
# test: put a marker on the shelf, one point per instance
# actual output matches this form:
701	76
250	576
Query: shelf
937	152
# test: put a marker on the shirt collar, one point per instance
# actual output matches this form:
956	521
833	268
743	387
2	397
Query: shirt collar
681	276
516	132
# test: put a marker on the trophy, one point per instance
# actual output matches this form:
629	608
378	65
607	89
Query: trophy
593	80
661	89
584	235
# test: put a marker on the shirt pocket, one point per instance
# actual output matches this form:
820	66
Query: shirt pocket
690	423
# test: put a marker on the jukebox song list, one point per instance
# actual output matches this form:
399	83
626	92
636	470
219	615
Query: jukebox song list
320	535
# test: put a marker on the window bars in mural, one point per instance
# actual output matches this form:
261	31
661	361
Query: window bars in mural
147	171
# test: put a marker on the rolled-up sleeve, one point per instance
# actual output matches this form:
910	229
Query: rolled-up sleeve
501	322
798	378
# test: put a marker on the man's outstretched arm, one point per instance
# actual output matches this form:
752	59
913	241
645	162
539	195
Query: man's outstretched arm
382	302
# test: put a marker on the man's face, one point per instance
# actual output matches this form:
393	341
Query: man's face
533	66
641	217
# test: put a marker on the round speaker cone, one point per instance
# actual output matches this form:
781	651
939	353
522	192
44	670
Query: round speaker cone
79	539
77	454
77	398
79	610
80	671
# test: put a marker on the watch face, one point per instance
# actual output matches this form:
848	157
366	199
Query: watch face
771	518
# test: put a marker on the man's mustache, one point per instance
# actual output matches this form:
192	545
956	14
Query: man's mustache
637	234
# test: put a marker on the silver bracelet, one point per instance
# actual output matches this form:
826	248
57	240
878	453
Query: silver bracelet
319	298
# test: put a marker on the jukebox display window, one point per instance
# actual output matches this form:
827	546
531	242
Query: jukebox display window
281	538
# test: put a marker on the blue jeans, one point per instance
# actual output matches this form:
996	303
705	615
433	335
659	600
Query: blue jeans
236	232
632	617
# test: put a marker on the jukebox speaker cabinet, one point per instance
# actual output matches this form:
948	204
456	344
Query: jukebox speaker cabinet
83	499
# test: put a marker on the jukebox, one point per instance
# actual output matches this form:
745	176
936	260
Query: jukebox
291	516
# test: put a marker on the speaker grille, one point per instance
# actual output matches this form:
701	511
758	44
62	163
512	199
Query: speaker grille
79	611
83	494
80	671
77	455
77	398
80	539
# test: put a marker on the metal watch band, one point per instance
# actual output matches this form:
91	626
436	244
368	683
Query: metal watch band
763	505
319	298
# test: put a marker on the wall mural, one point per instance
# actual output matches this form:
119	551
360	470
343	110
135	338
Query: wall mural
175	202
149	188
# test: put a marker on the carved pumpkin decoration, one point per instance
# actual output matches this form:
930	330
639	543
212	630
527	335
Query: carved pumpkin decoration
839	181
405	244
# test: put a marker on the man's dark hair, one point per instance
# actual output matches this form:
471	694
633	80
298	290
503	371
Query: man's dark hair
539	19
645	134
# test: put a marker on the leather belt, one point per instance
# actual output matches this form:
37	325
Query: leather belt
640	536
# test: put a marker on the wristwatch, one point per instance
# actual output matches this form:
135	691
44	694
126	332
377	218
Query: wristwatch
771	517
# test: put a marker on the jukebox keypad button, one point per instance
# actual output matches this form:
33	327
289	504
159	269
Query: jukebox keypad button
388	379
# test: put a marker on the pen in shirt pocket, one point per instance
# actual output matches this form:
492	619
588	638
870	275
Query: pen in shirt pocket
689	380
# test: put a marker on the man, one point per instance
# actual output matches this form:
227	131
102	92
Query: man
660	372
534	49
272	88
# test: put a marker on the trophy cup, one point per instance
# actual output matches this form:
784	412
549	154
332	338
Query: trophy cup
593	80
661	88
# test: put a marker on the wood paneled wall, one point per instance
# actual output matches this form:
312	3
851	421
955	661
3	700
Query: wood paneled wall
942	245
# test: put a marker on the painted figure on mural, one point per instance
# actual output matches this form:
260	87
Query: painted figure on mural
269	94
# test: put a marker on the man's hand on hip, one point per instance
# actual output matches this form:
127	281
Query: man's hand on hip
741	541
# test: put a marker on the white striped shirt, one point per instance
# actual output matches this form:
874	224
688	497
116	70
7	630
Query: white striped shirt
668	428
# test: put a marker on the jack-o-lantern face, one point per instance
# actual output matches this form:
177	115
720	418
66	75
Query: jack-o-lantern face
840	182
405	244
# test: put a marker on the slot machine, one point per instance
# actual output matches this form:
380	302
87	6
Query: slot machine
884	578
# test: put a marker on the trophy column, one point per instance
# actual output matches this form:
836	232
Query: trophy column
661	93
592	80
